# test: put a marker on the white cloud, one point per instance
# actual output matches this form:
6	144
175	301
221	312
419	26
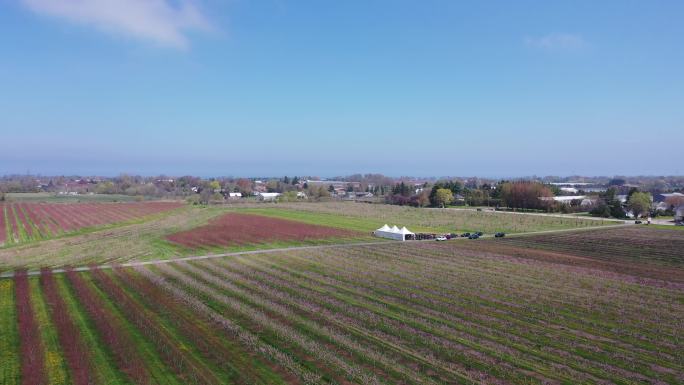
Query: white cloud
557	42
154	20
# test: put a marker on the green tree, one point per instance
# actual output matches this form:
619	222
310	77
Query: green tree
290	196
214	185
639	203
443	197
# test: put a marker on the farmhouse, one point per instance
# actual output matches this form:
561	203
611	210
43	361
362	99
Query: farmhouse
395	233
235	195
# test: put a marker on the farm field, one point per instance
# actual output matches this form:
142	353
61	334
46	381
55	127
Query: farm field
80	198
25	222
648	251
235	229
391	313
368	217
146	238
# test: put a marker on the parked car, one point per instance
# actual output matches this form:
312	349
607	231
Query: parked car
473	236
479	233
465	235
637	222
499	235
441	238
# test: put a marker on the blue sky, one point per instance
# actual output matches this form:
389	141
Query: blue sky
267	87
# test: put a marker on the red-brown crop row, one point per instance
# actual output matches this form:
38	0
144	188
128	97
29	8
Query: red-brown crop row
234	229
111	331
32	358
3	229
74	348
21	222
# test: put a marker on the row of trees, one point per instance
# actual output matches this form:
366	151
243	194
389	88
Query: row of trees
524	194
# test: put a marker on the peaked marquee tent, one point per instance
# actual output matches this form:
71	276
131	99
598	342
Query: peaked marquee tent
394	233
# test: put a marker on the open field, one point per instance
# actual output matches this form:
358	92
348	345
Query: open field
146	238
26	222
643	250
235	229
392	313
368	217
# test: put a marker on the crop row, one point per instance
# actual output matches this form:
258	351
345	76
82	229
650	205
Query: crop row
21	222
414	313
234	229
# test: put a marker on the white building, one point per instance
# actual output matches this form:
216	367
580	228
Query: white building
565	199
394	232
263	196
235	195
679	214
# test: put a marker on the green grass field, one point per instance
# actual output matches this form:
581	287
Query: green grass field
368	217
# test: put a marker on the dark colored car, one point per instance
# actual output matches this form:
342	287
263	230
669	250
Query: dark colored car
479	233
465	235
637	222
473	236
499	235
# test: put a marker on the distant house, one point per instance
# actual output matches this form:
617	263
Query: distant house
266	196
570	190
664	196
235	195
679	214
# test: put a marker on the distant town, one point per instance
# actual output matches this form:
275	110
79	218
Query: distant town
619	197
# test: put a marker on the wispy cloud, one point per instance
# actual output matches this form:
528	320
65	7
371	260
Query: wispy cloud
557	42
161	21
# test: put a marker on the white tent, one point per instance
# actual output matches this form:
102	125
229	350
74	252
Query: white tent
393	233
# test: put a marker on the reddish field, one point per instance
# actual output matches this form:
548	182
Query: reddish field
240	229
31	221
633	250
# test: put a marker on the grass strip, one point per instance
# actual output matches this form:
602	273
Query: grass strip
54	361
9	343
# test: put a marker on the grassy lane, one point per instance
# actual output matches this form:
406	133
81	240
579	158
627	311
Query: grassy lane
54	361
103	364
9	340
